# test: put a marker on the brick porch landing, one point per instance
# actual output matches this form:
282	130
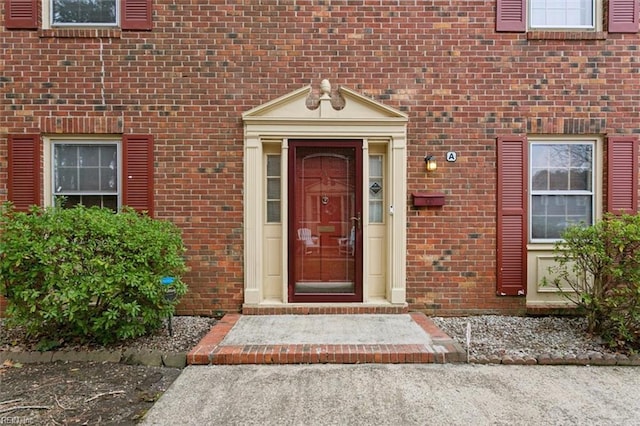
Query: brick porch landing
417	341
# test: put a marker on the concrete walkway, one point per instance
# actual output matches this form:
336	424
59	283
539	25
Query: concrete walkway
311	339
373	370
399	395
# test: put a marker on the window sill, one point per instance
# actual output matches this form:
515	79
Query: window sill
80	33
566	35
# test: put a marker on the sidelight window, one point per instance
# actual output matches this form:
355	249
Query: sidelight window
274	198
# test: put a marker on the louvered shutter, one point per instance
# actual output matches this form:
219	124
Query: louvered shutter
622	171
511	15
623	16
135	15
21	14
24	171
137	172
512	216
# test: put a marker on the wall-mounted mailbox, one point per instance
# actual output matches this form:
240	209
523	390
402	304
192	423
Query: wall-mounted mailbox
432	199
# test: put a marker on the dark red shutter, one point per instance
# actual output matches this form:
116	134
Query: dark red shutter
512	216
24	171
137	172
622	171
21	14
623	16
135	15
511	15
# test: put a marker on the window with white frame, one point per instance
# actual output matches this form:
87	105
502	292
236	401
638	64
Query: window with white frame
376	185
561	14
84	12
273	189
86	172
561	187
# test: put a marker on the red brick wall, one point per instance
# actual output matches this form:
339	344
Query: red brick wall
204	63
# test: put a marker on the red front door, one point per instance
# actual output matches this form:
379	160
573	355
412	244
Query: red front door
325	221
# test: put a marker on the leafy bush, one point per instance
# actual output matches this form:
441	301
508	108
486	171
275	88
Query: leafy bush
86	273
601	266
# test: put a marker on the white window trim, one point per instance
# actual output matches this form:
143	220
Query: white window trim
47	19
596	176
49	141
598	16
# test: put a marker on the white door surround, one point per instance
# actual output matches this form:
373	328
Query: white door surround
342	114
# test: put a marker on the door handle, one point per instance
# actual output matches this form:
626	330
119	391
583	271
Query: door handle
357	219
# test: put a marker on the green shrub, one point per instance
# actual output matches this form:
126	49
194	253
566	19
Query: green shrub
86	273
600	264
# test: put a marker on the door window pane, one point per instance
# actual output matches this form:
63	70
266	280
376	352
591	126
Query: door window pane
325	218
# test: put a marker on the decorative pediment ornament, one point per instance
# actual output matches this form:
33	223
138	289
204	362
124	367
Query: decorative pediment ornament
343	104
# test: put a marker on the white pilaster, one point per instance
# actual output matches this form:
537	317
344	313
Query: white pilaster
252	221
398	243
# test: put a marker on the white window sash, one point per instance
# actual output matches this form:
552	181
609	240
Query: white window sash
533	193
118	191
590	26
82	24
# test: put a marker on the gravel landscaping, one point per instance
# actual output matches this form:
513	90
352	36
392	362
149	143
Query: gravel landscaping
186	332
496	338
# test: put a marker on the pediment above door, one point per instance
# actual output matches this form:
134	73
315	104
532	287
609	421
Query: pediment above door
343	105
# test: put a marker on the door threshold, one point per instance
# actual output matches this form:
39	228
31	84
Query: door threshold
279	308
